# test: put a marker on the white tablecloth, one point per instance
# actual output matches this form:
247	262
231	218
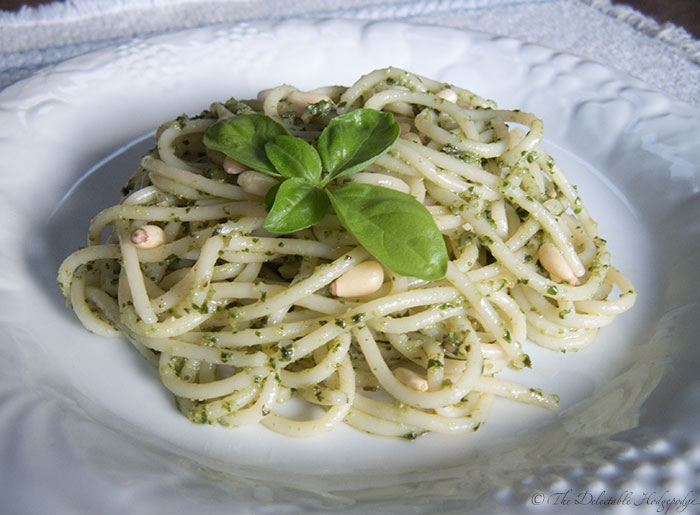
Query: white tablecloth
665	57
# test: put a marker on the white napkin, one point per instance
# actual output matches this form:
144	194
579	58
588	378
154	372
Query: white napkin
665	57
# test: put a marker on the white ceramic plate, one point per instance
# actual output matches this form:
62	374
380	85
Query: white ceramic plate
85	427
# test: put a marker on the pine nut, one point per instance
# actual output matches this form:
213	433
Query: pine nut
363	279
552	261
233	167
148	237
448	94
411	379
255	183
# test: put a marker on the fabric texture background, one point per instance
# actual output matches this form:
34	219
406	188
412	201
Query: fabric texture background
665	57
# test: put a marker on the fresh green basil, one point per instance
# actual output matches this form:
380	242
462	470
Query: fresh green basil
298	205
394	227
294	157
353	140
271	195
243	138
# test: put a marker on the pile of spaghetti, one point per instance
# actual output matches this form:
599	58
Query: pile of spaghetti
239	320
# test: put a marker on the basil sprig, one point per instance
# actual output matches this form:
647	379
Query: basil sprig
393	226
243	138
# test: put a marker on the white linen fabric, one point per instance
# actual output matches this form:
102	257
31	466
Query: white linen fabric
666	57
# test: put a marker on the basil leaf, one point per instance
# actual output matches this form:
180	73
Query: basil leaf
243	138
394	227
353	140
294	157
298	205
270	196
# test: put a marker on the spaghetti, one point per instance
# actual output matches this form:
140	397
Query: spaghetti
239	321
